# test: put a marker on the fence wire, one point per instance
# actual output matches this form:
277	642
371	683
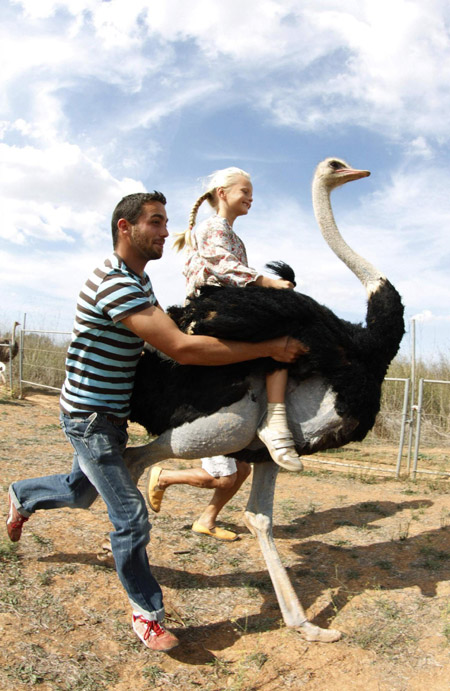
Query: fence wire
42	364
433	423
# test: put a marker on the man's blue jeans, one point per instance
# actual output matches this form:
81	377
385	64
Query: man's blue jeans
98	468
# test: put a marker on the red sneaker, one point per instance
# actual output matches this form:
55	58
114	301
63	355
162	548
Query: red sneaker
153	634
14	522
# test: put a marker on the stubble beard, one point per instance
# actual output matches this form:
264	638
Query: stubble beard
147	251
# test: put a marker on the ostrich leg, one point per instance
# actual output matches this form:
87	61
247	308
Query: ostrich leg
228	430
258	519
138	458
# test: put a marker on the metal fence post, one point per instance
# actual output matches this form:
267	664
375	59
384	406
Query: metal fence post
419	423
22	334
403	425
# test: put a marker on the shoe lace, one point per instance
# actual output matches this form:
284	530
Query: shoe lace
158	629
20	521
15	518
151	626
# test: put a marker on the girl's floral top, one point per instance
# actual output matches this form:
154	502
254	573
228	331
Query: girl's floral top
218	257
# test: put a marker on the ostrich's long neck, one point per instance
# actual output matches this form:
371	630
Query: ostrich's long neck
369	276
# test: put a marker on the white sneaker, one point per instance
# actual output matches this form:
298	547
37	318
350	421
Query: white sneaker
281	447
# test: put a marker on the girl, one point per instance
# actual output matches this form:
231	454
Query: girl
215	255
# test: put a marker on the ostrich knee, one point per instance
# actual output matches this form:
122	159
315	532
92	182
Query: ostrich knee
258	524
137	459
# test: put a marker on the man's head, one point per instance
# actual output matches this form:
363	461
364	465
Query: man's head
131	207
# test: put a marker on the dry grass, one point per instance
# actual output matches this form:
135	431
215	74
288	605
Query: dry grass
366	553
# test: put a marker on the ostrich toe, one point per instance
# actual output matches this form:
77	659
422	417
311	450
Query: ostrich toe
310	632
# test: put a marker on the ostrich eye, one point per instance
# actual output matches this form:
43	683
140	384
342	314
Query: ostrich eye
336	165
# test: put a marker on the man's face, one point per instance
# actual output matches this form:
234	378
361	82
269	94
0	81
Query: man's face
149	232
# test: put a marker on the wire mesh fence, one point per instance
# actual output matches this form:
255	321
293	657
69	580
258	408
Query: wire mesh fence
433	424
400	422
42	358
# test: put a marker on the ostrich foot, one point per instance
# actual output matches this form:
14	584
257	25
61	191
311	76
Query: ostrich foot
310	632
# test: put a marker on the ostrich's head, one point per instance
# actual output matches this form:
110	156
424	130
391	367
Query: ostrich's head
333	172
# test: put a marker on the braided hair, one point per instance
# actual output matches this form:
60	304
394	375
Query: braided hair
220	178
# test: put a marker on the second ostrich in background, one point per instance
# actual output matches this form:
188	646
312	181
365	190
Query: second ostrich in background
9	348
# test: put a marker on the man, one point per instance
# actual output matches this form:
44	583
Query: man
116	312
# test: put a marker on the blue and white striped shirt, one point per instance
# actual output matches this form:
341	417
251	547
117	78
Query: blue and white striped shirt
103	354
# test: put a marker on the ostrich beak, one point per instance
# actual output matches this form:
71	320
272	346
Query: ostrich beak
348	174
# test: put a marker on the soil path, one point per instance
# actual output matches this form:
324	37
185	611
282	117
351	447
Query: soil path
367	555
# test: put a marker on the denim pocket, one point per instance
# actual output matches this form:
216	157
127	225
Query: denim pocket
76	427
96	433
103	432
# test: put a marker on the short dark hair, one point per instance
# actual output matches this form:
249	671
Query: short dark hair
130	208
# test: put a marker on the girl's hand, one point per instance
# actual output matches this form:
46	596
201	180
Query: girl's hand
266	282
281	283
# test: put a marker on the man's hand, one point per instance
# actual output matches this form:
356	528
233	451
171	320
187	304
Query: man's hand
287	349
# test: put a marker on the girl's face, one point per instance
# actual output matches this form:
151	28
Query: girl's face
236	199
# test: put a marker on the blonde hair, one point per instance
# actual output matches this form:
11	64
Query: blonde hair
220	178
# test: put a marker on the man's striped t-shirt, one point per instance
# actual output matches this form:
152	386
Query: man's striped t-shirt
103	354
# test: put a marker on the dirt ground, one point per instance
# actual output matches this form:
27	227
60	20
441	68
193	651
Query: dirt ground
367	554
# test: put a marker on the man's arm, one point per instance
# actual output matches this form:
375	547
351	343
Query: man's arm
155	327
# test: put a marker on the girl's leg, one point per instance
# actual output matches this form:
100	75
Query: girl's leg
195	477
276	383
275	432
222	496
159	479
221	473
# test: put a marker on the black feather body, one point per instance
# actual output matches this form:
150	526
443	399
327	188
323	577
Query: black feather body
353	358
7	352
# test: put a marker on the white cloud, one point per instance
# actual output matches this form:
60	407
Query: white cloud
419	147
47	192
428	316
414	207
382	61
94	95
310	65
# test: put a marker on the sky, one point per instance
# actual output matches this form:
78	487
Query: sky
100	99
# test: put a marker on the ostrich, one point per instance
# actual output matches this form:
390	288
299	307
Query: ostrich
333	393
9	349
